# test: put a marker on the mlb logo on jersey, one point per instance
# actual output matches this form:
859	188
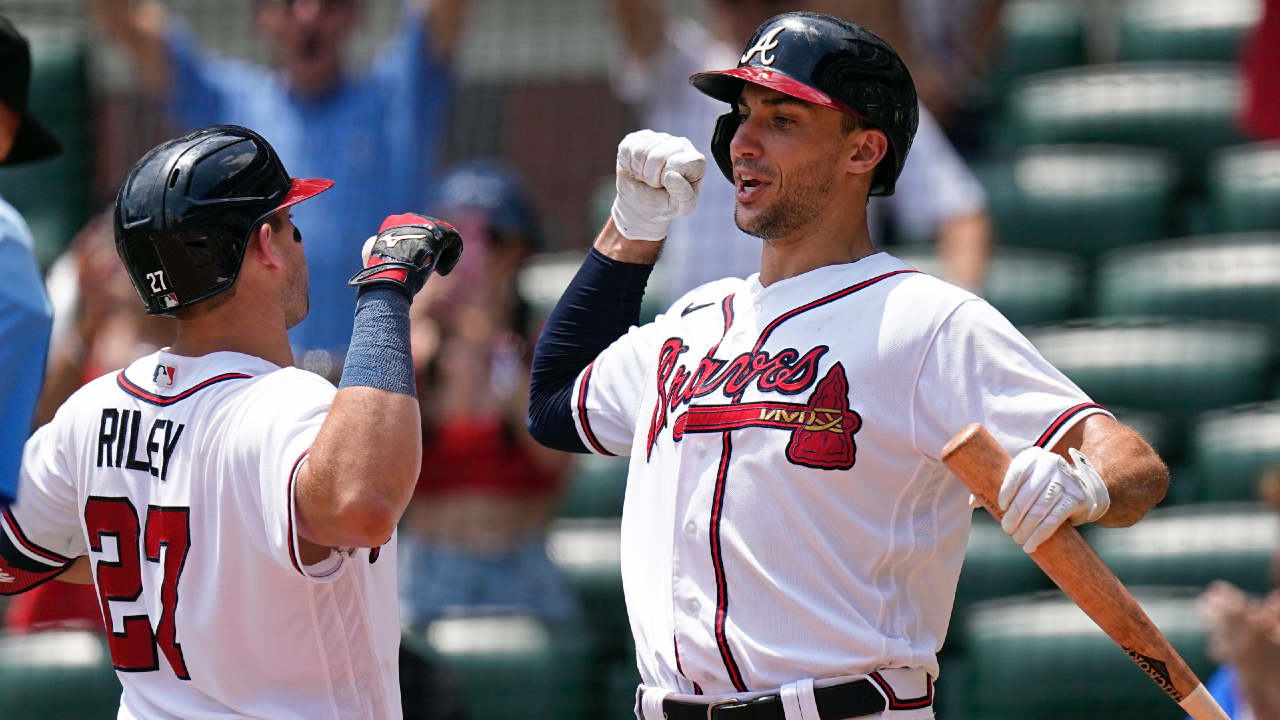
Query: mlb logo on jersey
163	375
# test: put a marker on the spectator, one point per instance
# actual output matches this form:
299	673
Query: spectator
377	133
1244	635
937	196
475	532
25	314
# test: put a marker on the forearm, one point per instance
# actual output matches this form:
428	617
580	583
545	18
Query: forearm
599	306
140	28
1135	476
366	458
964	243
642	23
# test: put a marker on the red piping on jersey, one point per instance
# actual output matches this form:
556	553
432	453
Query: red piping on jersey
726	309
722	589
127	385
1063	418
820	302
697	689
582	411
910	703
26	543
293	477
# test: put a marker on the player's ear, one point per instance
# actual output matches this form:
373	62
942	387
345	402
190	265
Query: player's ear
865	148
260	247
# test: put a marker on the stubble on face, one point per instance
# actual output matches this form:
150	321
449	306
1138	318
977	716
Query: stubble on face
296	301
800	200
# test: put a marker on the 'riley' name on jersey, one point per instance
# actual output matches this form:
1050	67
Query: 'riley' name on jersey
121	428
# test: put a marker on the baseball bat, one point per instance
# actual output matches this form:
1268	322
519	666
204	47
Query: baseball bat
979	461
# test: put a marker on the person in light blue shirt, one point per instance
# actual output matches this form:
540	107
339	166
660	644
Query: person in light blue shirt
377	132
25	313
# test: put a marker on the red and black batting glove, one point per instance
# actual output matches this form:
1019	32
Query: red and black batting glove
405	251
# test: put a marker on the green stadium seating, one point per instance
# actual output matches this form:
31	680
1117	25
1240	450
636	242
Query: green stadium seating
1040	657
621	681
1027	286
1210	30
1188	108
1080	199
1037	36
596	488
55	195
994	566
1231	449
589	553
64	675
511	667
1176	368
1229	277
1194	545
1244	187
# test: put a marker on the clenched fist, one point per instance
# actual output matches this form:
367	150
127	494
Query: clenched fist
658	179
405	251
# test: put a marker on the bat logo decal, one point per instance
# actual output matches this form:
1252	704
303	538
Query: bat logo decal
1157	670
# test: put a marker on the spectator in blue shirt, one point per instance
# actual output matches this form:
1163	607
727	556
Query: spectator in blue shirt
25	313
378	132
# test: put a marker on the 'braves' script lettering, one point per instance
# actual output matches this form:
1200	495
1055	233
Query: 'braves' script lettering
787	372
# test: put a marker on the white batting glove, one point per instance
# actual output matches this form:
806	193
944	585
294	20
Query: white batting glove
658	179
1041	489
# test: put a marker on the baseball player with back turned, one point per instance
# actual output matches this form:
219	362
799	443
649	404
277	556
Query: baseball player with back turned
791	539
236	514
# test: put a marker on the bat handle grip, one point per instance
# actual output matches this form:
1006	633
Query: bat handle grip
1200	705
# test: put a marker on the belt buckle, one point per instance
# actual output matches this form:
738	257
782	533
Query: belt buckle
718	703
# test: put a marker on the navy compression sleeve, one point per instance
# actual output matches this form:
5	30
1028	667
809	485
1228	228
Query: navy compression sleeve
379	355
599	306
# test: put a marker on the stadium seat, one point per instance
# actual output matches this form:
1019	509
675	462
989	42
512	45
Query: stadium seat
1232	448
1176	368
64	675
1194	545
1228	277
994	566
1244	188
511	667
1189	108
55	195
1041	657
1027	286
1037	36
596	488
1186	29
589	553
1080	199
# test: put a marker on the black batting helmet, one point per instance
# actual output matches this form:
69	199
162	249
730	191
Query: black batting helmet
830	62
185	212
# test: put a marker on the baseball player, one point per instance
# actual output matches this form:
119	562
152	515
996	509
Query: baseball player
237	515
791	540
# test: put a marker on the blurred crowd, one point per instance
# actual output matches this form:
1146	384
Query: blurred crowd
474	538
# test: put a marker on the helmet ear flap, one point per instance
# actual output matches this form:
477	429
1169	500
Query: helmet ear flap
726	128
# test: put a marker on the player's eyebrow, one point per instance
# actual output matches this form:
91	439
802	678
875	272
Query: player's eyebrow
774	101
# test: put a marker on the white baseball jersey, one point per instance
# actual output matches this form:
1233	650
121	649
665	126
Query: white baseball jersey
176	477
787	514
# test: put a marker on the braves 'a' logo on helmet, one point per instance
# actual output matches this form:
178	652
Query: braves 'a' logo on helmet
767	42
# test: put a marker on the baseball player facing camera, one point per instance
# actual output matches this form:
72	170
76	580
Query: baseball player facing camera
791	539
236	514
